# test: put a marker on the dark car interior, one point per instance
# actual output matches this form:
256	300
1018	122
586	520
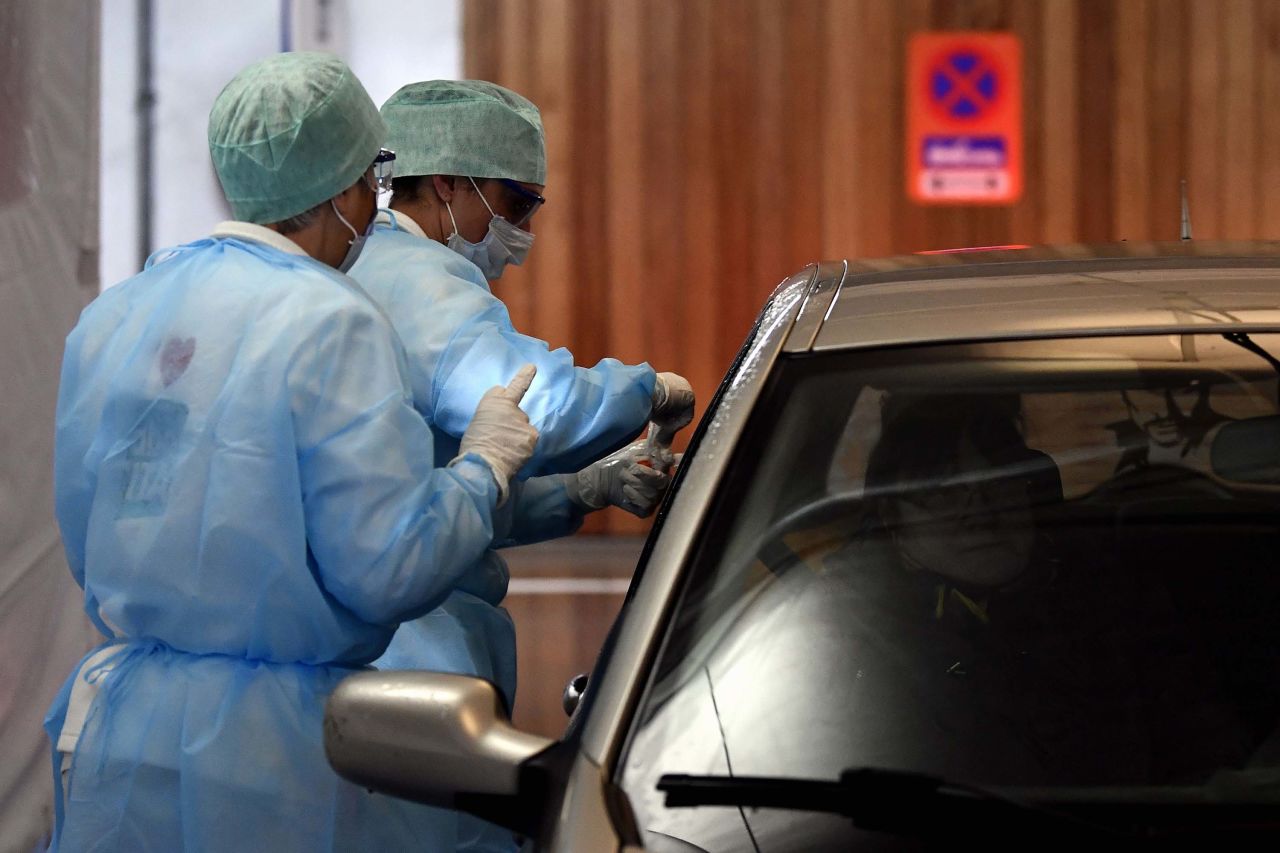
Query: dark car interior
1200	545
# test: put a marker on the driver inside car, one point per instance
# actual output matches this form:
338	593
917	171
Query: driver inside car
1016	662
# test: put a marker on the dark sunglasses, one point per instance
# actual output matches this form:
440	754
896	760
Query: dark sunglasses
524	202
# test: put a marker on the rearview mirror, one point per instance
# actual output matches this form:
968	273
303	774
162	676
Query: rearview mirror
1248	451
434	738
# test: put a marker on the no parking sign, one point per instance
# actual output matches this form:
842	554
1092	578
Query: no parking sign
964	118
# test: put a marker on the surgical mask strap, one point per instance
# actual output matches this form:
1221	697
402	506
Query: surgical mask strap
355	235
453	221
482	198
483	201
503	243
356	244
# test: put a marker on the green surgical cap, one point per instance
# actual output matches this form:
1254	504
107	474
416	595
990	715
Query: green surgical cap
465	127
291	132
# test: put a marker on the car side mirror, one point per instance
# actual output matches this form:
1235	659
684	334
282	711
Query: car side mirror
434	738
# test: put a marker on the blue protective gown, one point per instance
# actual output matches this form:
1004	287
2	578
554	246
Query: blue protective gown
251	505
460	343
471	634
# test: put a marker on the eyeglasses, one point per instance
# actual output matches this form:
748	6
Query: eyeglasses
524	202
383	170
996	492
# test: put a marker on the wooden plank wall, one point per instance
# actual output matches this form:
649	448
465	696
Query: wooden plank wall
702	150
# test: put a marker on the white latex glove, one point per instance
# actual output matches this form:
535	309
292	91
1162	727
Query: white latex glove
621	480
500	433
672	403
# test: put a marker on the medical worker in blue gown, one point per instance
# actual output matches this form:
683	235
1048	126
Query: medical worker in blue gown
474	162
252	504
471	166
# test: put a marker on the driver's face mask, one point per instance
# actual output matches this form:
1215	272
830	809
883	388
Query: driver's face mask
503	244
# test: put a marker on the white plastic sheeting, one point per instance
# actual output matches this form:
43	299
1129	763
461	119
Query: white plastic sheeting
48	271
198	47
49	174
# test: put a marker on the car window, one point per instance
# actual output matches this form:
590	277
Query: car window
1029	566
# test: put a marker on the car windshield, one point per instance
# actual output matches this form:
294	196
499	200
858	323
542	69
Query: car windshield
1046	568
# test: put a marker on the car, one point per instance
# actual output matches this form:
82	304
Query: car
973	547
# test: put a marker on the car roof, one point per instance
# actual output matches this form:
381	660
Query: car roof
1125	288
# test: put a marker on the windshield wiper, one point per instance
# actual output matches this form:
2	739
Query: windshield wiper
892	801
1242	340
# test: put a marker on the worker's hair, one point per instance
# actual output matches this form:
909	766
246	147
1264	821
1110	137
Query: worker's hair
308	217
303	220
410	187
419	187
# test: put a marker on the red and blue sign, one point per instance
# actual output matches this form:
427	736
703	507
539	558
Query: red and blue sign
964	83
964	118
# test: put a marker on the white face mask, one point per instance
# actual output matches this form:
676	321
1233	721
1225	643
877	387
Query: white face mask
355	244
503	244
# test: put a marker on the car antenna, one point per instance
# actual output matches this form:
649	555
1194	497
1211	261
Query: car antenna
1186	213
